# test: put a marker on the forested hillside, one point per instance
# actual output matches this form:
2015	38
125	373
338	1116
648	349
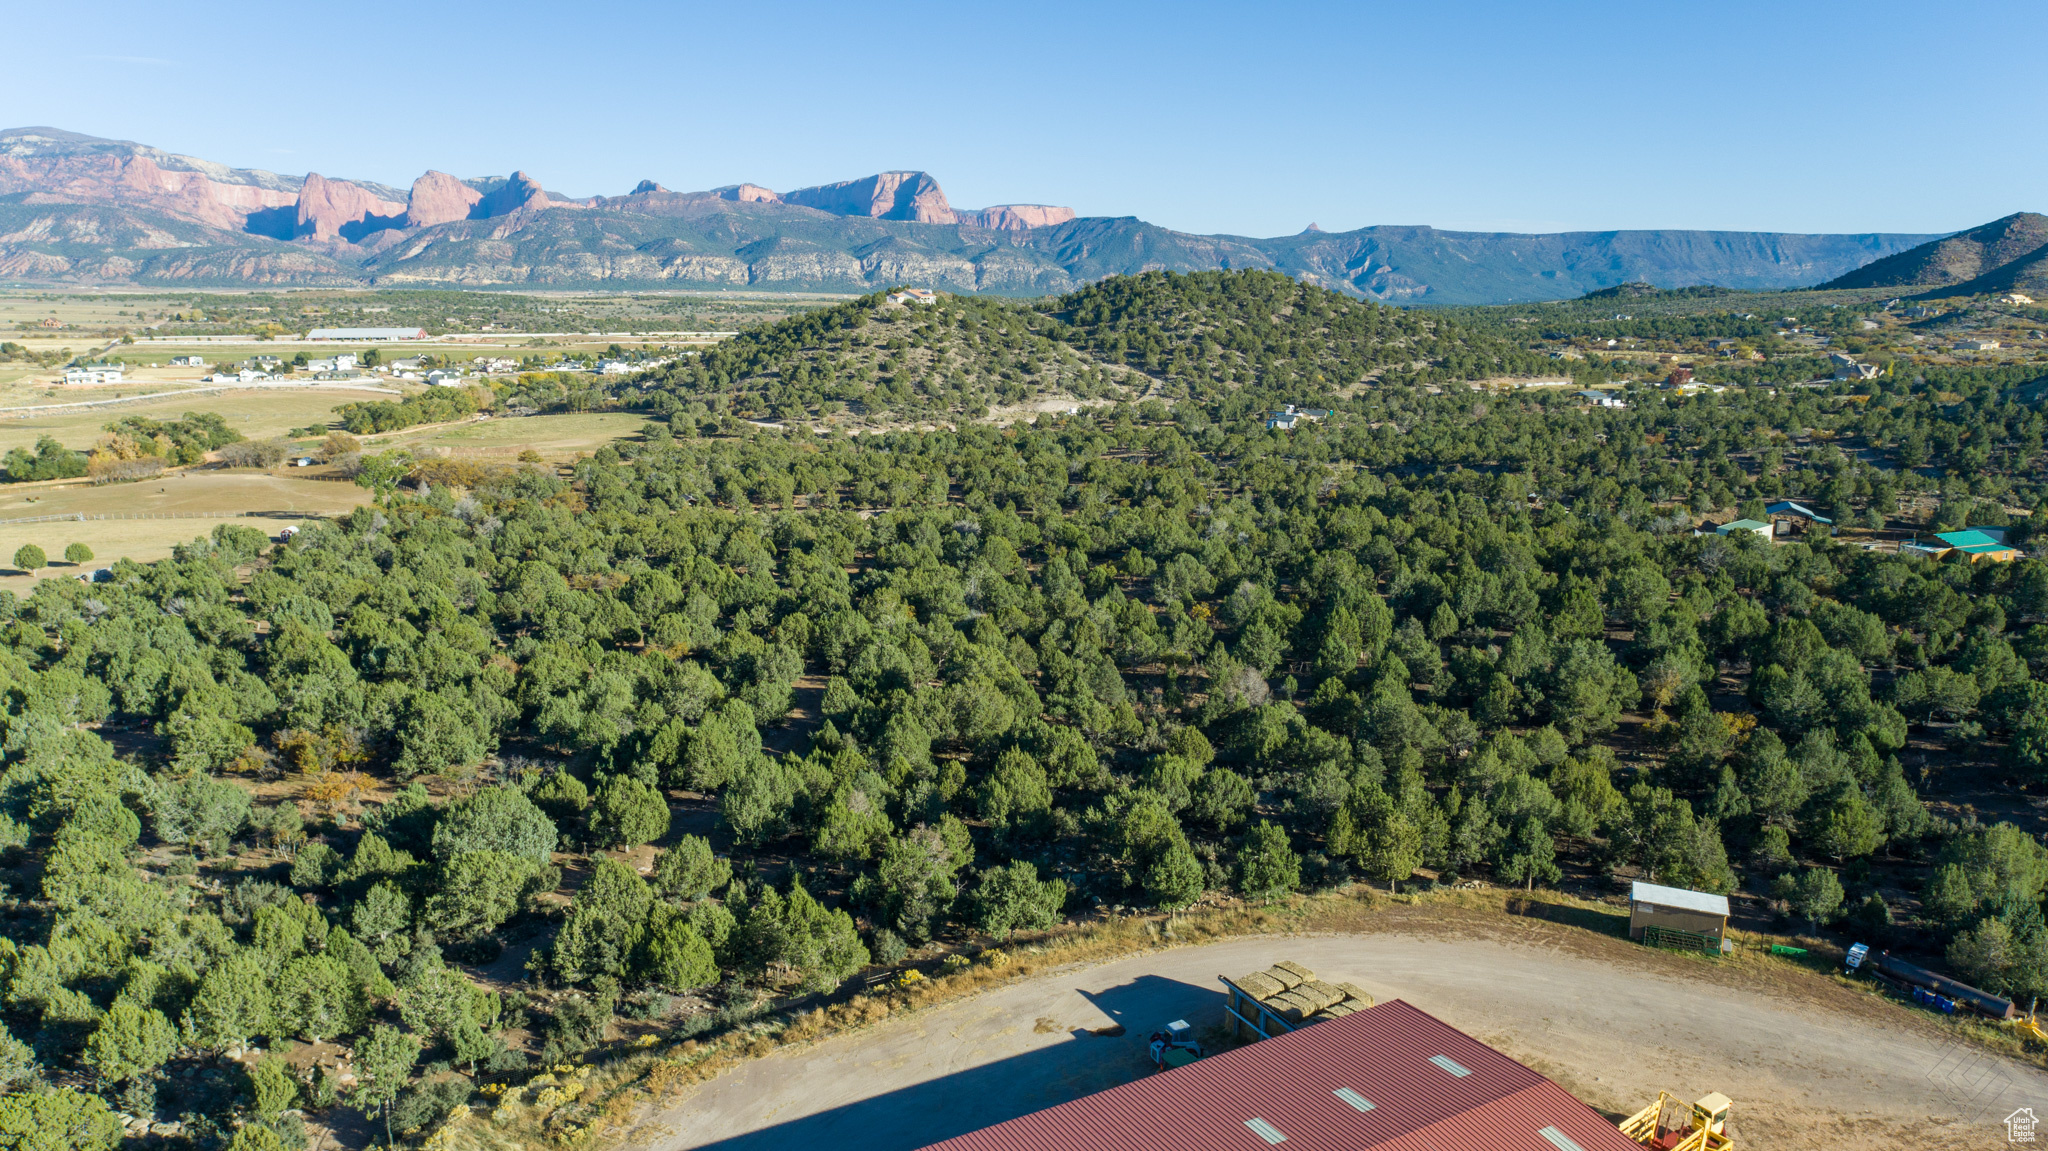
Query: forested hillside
1198	336
882	696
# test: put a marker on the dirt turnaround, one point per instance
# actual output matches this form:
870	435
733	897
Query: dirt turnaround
1814	1067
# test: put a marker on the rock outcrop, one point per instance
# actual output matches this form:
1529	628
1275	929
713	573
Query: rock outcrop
912	196
747	194
439	198
1015	217
646	187
1979	252
328	208
520	192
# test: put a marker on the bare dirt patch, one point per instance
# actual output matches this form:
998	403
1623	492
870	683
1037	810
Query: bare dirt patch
1810	1062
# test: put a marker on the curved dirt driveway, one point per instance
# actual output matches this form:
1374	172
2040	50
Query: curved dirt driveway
1813	1066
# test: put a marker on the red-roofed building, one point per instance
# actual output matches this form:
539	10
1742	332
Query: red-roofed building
1388	1078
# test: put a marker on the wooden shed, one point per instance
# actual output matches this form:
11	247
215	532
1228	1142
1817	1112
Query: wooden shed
1669	915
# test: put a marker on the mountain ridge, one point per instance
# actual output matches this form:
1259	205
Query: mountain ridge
81	209
1957	259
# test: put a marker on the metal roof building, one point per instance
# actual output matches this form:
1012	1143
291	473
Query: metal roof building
1388	1078
367	334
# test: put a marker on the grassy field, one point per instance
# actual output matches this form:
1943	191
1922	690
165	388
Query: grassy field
258	413
554	437
285	499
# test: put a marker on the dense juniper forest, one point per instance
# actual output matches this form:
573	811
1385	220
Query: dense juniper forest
522	760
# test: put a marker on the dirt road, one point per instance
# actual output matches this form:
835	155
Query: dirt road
1817	1067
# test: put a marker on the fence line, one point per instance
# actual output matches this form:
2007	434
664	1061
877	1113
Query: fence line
82	517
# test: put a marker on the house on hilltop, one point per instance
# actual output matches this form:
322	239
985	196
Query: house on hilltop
1847	368
914	296
1285	420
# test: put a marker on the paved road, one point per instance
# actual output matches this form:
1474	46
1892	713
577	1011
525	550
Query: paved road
1613	1033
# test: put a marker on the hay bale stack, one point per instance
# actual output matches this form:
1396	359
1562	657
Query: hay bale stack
1354	991
1288	980
1335	1011
1323	993
1261	986
1301	974
1292	1006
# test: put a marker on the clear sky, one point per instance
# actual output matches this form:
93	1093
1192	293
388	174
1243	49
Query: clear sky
1249	118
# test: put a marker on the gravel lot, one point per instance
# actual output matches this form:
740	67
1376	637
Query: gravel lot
1809	1064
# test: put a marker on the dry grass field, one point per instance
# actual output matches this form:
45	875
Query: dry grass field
182	497
258	413
554	437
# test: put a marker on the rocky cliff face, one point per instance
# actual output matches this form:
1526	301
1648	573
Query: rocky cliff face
438	198
57	167
1015	217
1981	251
747	194
519	193
911	196
328	208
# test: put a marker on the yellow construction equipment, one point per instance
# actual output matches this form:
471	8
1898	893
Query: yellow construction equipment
1670	1124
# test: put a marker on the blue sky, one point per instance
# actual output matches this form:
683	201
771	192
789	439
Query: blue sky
1252	119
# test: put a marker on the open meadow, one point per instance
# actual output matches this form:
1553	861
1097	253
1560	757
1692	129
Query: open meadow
189	504
257	413
553	436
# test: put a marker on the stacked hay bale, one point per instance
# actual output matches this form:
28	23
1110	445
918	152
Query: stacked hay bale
1293	992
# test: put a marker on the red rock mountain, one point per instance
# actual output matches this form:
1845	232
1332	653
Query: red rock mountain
1015	217
911	196
57	167
521	192
50	165
439	198
327	207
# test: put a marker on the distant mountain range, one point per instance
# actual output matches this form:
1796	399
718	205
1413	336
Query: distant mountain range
83	210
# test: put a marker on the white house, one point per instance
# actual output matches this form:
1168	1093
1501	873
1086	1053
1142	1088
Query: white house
93	374
615	368
441	379
1603	399
914	296
2016	298
187	362
1976	345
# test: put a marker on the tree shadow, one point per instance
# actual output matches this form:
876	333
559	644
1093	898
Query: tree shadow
1603	922
941	1108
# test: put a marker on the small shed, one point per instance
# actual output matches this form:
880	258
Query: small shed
1736	527
1675	910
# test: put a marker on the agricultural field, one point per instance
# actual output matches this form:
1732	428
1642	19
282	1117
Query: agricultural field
257	413
191	503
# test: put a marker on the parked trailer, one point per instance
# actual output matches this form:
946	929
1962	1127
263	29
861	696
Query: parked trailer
1933	989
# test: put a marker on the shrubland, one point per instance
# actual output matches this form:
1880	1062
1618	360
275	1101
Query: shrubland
709	721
